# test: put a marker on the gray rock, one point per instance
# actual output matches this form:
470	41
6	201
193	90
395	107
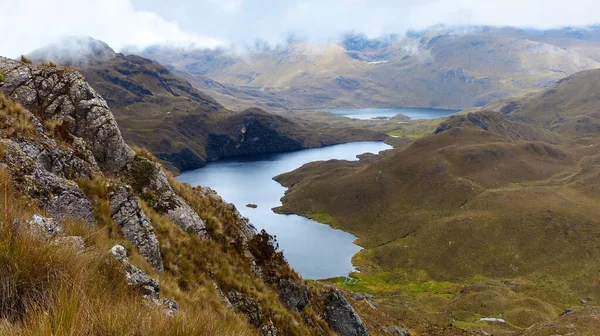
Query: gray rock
149	287
150	180
65	95
53	192
341	317
396	331
170	306
268	330
44	227
134	225
294	295
368	298
247	306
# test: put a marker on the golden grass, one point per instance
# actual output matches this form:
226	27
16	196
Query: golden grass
26	60
14	118
48	289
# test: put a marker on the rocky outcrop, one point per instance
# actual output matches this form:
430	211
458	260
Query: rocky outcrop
247	306
41	172
58	93
150	181
293	295
134	225
253	312
341	317
135	277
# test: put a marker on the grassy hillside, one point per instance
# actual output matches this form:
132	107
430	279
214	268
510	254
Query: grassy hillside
481	220
570	107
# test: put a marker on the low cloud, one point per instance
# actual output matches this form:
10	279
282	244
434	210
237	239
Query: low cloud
29	24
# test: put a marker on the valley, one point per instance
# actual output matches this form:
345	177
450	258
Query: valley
492	215
452	172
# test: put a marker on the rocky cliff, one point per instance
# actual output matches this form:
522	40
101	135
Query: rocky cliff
187	260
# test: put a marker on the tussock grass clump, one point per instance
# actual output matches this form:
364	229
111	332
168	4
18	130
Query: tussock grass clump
26	60
14	118
1	76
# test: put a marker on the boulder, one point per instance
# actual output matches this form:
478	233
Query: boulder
341	317
48	185
44	227
134	225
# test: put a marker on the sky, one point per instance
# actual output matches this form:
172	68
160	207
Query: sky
212	23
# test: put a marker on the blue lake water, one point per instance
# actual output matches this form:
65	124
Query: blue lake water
315	250
371	113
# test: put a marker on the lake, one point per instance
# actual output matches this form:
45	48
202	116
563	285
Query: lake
372	113
315	250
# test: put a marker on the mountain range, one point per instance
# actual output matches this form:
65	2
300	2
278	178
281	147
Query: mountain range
440	67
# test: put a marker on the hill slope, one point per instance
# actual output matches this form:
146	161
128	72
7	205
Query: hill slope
128	249
571	107
486	210
182	125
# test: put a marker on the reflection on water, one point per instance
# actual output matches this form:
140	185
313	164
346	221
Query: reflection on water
373	113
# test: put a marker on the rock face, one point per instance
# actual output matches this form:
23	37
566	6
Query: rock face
135	277
134	225
64	94
341	317
150	181
45	171
295	296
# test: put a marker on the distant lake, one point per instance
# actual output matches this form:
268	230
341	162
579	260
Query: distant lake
315	250
372	113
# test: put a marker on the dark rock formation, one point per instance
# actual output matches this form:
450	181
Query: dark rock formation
247	306
134	225
341	317
292	294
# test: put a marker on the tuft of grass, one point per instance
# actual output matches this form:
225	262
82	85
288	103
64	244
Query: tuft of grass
14	118
26	60
1	76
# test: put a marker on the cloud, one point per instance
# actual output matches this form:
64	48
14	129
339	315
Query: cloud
35	23
30	24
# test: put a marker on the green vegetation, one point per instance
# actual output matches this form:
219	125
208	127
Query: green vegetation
1	76
449	224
